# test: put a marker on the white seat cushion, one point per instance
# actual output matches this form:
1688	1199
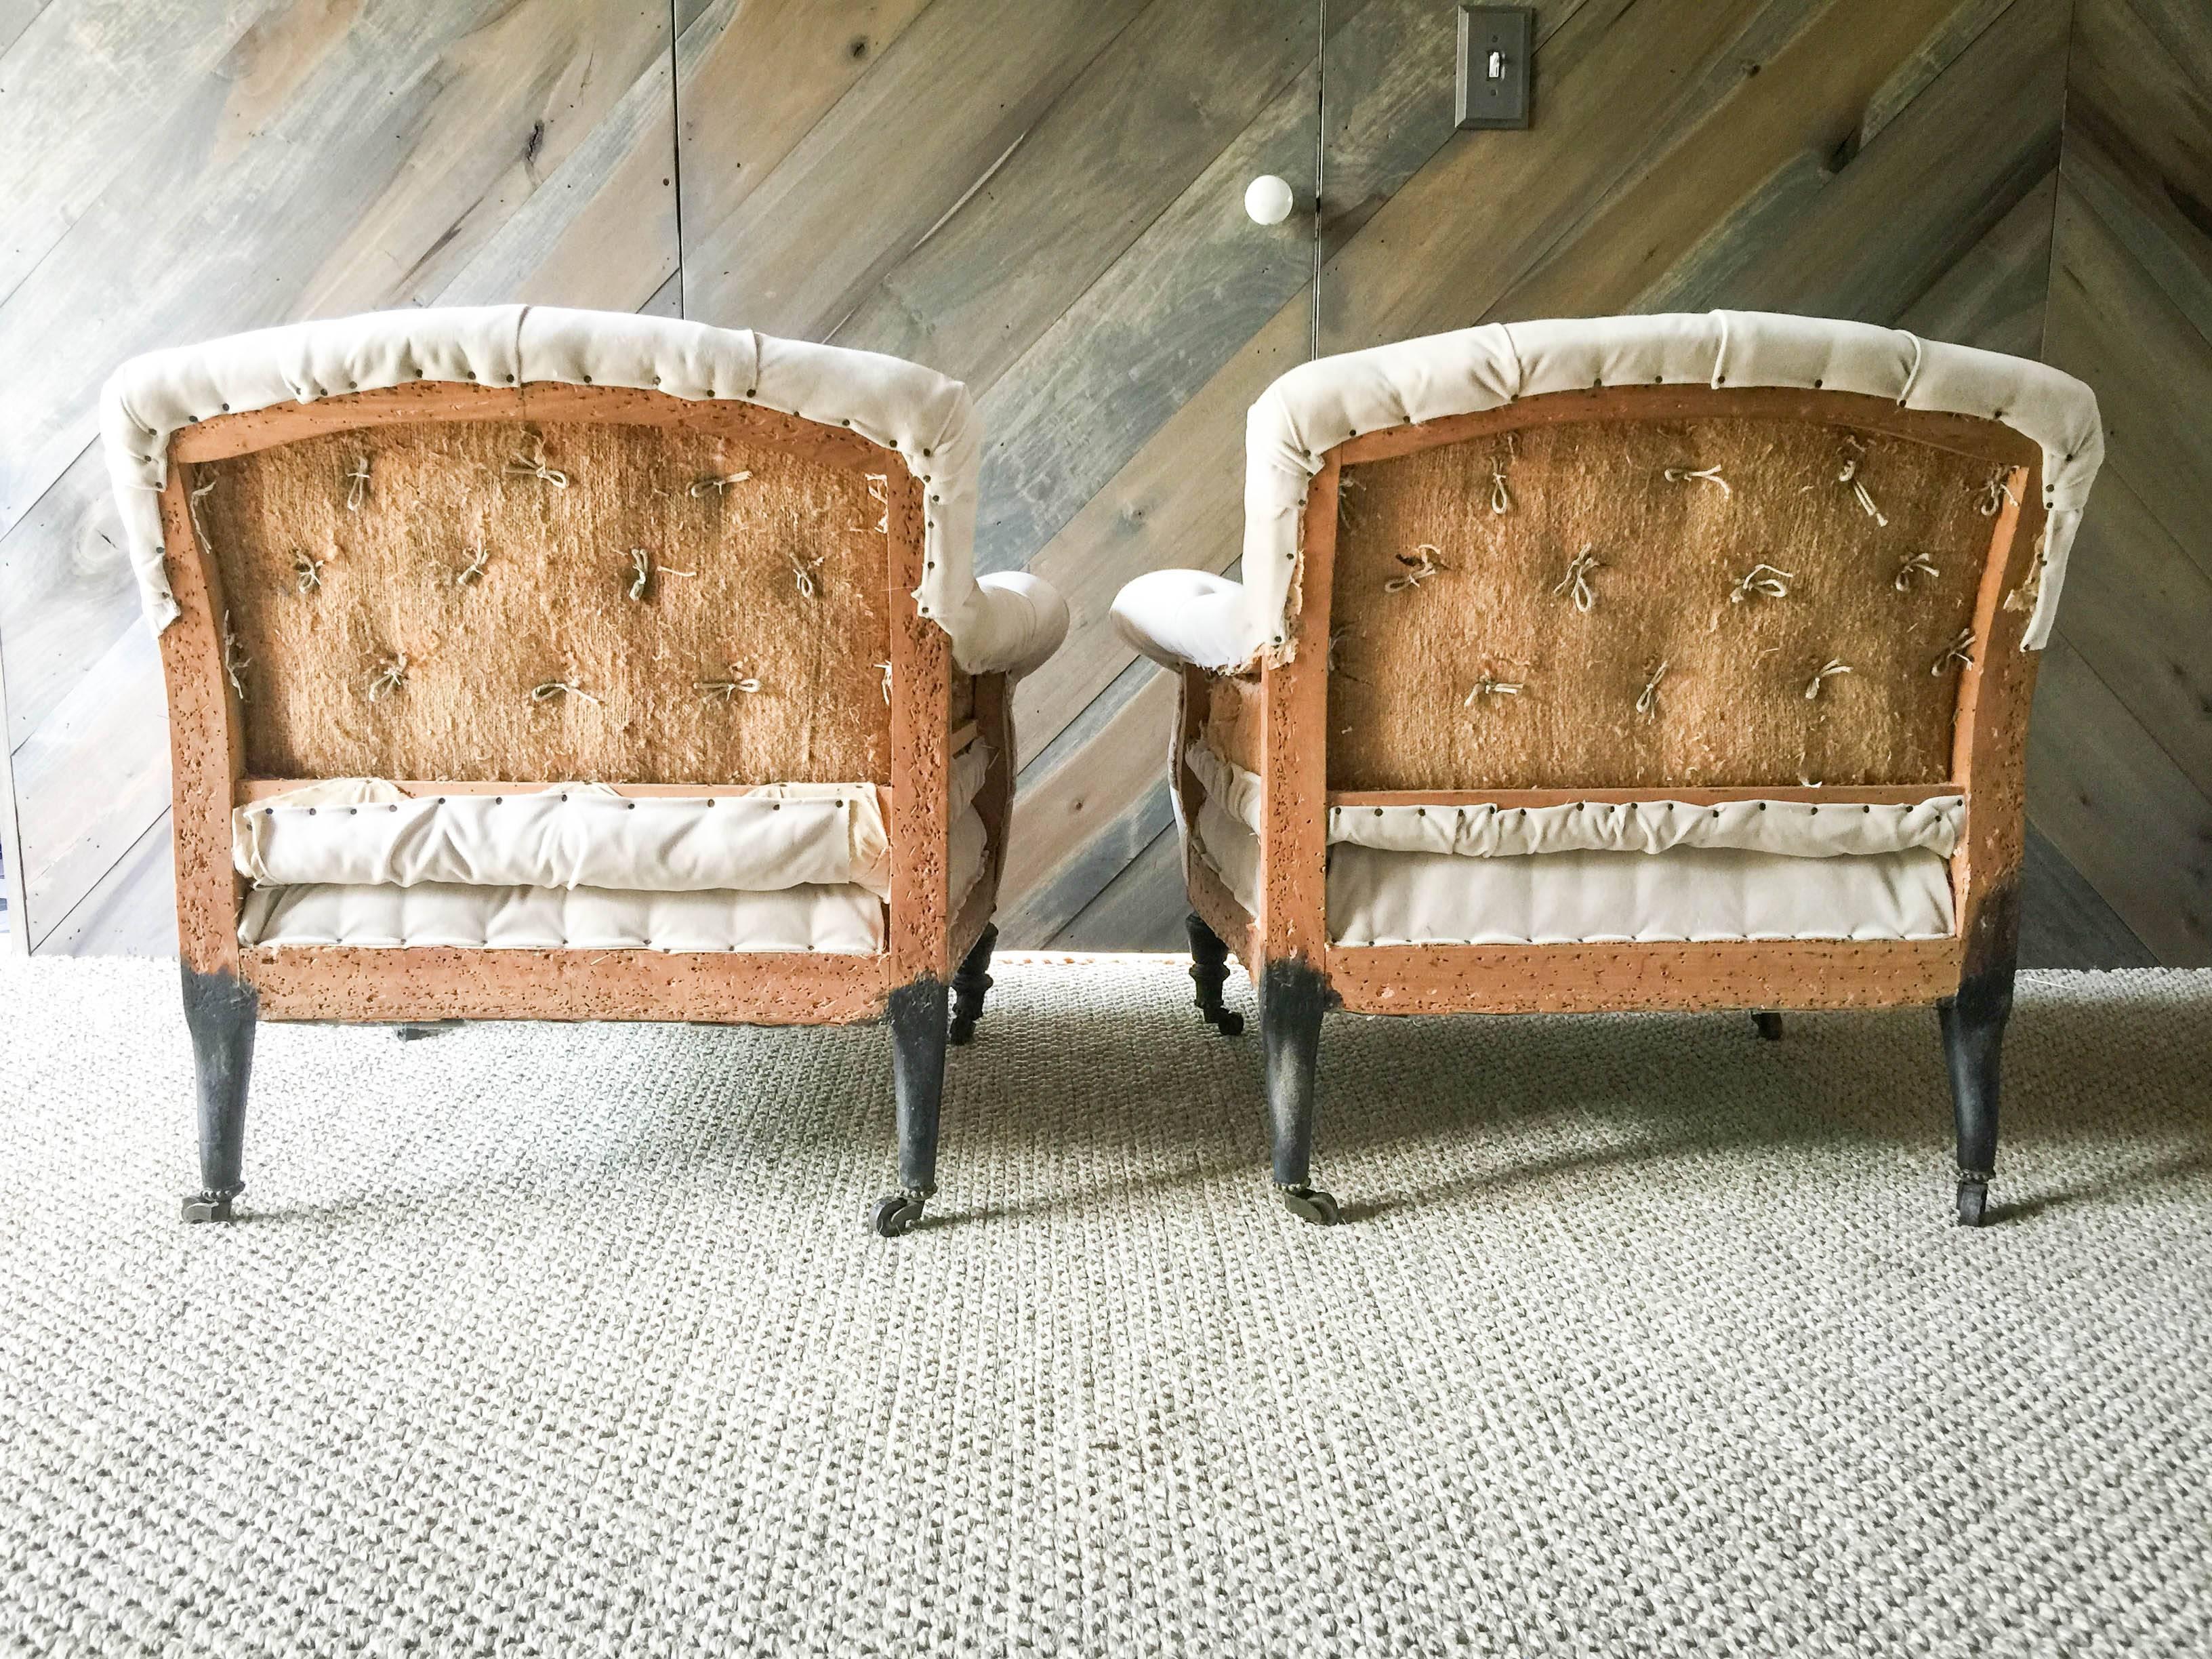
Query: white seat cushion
357	832
1683	893
845	919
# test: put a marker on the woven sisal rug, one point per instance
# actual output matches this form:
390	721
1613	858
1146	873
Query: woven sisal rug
1644	1337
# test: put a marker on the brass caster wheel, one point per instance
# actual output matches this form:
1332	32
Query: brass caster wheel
1973	1200
899	1214
210	1205
961	1032
1227	1021
1768	1025
1310	1204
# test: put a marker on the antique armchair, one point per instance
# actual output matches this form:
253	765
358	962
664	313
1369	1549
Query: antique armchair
536	663
1674	662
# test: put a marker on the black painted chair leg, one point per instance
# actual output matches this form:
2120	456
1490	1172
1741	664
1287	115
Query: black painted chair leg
971	982
1292	998
220	1014
1209	972
1768	1023
918	1041
1973	1024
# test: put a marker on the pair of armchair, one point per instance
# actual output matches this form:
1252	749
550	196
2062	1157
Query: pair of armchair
1671	662
535	664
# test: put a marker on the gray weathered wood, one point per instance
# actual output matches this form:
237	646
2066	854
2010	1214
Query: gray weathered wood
1141	909
2063	923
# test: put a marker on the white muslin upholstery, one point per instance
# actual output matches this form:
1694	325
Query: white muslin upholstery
367	831
1229	626
1805	829
1687	893
846	918
1010	622
787	866
1586	872
571	836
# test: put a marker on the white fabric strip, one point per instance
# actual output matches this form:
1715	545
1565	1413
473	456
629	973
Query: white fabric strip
569	835
1688	894
1011	622
1232	851
845	920
1804	829
366	831
1230	625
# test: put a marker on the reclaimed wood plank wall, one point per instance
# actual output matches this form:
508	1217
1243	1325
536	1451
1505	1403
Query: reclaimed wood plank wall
1042	197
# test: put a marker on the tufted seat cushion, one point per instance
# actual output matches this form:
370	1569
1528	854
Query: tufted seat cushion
579	865
1581	872
844	919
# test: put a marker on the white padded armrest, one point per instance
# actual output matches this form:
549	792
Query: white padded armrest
1184	617
1019	622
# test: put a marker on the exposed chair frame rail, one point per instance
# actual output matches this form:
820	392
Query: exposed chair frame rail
1297	971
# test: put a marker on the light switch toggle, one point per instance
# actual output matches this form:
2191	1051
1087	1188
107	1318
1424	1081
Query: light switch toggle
1495	46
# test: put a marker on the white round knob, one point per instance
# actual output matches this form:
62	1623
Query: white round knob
1268	200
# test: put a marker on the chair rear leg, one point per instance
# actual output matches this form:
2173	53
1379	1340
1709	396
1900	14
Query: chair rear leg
971	981
1292	998
918	1040
1767	1024
1209	972
221	1013
1973	1024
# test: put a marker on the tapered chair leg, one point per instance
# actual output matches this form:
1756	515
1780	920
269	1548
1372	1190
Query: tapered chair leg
1292	997
1767	1024
1973	1024
918	1040
1209	972
971	981
221	1013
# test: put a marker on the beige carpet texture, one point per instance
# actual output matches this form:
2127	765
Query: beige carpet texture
1643	1337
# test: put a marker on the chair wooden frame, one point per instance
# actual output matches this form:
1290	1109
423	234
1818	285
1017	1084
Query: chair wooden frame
1285	947
227	985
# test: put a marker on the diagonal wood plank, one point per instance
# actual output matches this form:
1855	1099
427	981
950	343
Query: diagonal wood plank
133	911
330	134
88	782
1804	105
2064	923
1124	144
2139	611
399	145
1935	180
802	248
1995	297
2109	322
2111	801
1141	909
755	77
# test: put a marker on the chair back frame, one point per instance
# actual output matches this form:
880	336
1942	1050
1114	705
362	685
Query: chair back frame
405	983
1988	768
